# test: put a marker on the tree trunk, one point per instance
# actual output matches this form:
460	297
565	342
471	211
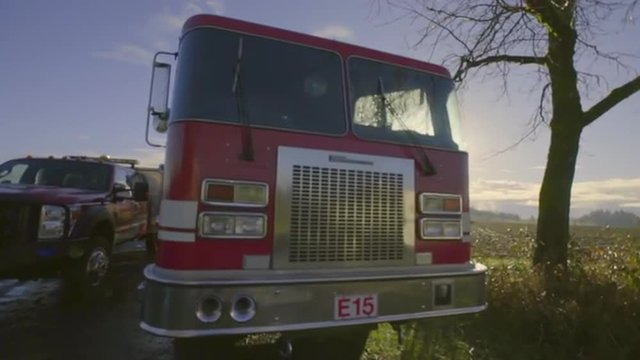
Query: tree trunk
555	196
554	202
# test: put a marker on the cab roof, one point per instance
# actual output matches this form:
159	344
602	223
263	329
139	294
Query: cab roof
344	49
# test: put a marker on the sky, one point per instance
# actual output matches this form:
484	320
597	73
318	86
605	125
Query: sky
74	79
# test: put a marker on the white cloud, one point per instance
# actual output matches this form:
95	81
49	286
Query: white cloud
543	167
172	20
148	156
216	6
130	53
615	192
503	190
157	31
336	32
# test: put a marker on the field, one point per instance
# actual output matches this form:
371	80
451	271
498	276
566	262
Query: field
595	316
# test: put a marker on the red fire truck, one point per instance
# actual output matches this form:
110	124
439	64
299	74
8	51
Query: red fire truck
309	184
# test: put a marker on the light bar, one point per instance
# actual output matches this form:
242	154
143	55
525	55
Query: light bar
105	158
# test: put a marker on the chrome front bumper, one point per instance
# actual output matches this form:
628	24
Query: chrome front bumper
303	300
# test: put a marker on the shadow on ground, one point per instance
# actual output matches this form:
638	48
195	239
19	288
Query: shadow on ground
38	321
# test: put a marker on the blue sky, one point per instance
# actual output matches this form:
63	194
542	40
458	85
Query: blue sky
75	78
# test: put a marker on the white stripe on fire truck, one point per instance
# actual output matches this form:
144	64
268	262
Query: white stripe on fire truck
166	235
178	214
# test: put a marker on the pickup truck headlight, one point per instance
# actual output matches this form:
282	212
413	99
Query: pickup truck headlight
52	219
227	225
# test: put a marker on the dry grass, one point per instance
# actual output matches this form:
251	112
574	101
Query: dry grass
597	315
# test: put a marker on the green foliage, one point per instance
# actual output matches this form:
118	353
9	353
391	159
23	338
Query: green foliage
596	315
383	344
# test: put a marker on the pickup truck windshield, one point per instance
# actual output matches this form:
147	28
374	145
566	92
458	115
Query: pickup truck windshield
402	105
56	172
284	85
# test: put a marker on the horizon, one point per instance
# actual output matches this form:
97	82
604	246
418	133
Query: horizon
535	218
77	83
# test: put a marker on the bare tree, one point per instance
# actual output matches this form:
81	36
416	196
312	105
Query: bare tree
551	37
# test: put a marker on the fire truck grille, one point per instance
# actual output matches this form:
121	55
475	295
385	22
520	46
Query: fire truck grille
345	215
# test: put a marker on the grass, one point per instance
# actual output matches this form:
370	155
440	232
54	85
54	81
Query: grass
596	316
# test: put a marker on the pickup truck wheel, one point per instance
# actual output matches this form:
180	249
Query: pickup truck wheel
87	275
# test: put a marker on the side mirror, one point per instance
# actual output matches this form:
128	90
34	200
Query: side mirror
141	191
158	106
159	95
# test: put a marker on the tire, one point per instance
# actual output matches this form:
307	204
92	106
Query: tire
340	346
86	276
201	348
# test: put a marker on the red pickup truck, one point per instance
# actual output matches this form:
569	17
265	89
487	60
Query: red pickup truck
65	217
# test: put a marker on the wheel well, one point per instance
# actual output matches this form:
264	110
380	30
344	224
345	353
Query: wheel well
105	229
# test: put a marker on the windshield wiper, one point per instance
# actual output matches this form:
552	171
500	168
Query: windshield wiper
427	167
237	89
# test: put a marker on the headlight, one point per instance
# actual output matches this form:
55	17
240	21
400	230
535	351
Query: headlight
235	193
52	219
440	204
226	225
441	229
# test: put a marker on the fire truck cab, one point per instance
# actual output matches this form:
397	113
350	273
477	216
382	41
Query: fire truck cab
308	184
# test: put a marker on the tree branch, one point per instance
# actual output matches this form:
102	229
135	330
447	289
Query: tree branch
467	63
507	58
615	96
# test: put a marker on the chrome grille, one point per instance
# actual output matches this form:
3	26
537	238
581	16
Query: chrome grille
340	210
345	215
13	221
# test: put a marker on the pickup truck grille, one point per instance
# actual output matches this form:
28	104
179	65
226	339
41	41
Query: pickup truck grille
336	209
14	221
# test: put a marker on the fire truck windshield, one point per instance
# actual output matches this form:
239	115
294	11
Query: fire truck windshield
284	86
424	105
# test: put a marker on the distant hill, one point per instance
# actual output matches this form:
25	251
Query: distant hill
491	216
618	218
